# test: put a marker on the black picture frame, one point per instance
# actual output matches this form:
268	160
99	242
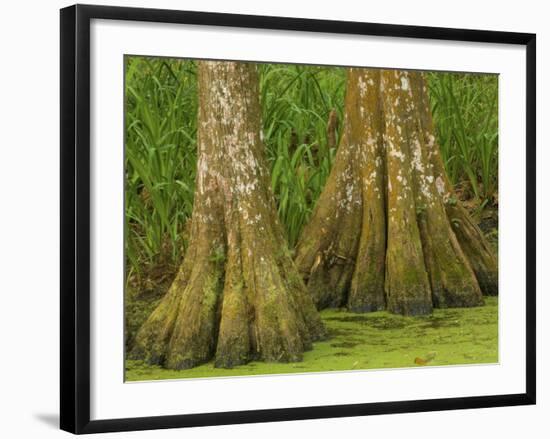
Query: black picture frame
75	217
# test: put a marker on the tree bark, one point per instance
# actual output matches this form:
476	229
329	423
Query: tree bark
386	232
474	245
237	296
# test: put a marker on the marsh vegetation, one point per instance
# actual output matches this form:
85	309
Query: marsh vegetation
234	176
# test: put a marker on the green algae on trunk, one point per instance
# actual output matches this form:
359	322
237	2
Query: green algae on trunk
237	296
470	238
384	234
329	254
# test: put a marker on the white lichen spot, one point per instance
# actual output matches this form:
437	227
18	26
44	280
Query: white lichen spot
431	140
202	172
417	157
395	153
440	185
404	83
362	87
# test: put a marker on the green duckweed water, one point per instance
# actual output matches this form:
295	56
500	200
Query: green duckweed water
373	341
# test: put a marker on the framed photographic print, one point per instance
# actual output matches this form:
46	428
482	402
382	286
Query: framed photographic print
268	218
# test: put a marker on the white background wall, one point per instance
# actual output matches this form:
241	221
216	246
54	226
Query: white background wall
29	206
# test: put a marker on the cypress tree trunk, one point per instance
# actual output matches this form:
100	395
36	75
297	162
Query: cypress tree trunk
471	239
386	232
237	295
349	218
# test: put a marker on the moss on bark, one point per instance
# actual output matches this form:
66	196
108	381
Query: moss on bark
473	244
238	295
385	233
330	256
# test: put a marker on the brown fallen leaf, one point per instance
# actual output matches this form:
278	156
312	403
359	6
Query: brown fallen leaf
423	361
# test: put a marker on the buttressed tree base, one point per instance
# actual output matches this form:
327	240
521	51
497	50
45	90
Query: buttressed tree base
237	296
387	231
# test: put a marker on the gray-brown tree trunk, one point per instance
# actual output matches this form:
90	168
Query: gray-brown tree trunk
238	295
386	232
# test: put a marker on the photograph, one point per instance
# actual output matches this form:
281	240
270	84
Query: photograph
287	218
266	220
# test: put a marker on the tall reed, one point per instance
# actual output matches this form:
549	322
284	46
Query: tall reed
465	110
